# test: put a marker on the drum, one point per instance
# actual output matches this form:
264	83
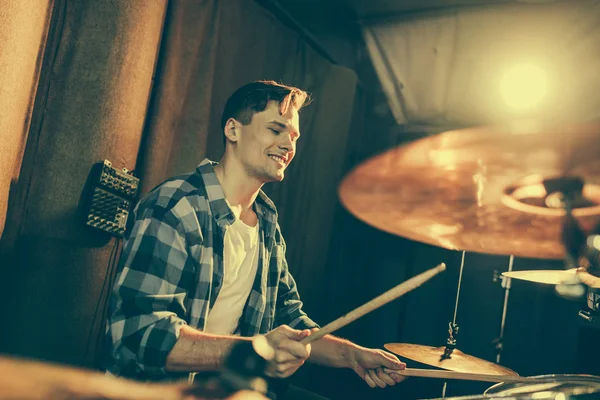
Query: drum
545	387
549	387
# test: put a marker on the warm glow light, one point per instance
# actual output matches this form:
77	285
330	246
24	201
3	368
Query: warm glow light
523	86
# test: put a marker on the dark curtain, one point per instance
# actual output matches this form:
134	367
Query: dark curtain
23	29
91	103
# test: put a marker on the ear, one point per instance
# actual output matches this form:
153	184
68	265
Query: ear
231	130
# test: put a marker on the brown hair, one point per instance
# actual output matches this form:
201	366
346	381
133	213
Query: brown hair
254	97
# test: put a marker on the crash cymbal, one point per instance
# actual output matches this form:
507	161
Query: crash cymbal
458	361
480	189
556	277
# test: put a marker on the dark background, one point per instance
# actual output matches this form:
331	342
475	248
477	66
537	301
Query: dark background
142	83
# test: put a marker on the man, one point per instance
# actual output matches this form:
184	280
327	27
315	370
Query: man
204	264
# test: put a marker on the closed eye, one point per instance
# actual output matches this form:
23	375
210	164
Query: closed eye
275	131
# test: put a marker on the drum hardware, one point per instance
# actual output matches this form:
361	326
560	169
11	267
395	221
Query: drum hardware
493	190
593	306
587	315
481	369
505	283
448	357
451	341
453	328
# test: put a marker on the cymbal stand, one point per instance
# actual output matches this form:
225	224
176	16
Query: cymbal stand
499	341
592	256
573	238
452	326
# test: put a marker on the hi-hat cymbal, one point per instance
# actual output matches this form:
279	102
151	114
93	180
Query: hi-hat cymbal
556	277
482	189
458	361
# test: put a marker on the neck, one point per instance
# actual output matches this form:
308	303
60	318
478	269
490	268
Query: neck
240	189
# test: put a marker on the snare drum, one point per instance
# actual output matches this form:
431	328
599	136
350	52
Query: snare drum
549	387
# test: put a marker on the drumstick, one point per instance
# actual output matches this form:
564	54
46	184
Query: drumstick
443	374
377	302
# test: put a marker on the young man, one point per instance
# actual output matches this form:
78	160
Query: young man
204	265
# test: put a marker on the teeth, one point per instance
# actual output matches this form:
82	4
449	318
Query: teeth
277	158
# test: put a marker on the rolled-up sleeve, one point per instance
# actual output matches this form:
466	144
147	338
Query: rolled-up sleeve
148	304
289	306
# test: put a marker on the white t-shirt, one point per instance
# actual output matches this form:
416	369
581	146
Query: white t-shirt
240	263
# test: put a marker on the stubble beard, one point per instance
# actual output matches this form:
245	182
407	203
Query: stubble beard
265	173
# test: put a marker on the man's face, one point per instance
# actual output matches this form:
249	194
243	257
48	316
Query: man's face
267	145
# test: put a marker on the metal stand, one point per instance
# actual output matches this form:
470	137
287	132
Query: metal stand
452	326
499	341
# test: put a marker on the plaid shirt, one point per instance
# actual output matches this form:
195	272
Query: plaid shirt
171	271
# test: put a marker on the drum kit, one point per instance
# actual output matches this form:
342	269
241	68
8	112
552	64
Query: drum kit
522	189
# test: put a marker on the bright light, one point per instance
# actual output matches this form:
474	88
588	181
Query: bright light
523	86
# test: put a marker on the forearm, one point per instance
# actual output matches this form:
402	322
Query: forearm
332	352
28	379
199	351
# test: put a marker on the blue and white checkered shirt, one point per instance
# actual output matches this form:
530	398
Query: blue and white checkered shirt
171	271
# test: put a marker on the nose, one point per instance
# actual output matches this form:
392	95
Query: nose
287	143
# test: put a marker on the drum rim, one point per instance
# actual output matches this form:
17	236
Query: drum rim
542	379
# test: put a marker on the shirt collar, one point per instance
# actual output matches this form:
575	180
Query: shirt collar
264	206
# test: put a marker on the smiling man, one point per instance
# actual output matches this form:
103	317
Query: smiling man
204	264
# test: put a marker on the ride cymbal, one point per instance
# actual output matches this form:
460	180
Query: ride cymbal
484	190
458	361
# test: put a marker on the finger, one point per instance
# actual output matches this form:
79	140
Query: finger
394	374
373	374
369	380
288	369
282	370
294	334
296	349
285	366
385	377
391	361
283	356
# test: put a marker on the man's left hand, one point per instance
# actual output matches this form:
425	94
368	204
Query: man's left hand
376	367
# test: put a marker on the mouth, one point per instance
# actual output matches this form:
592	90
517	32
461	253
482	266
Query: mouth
281	160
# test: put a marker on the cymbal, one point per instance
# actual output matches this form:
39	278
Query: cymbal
556	277
458	361
480	189
549	277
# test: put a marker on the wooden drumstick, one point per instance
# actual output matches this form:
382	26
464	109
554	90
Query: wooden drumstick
443	374
377	302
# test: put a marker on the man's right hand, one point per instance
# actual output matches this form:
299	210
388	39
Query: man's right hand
290	354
